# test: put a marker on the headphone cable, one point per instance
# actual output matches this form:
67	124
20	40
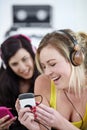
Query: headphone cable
74	109
38	105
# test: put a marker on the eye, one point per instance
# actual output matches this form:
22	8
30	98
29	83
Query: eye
25	59
14	64
52	64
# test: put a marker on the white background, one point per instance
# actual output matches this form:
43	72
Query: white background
66	14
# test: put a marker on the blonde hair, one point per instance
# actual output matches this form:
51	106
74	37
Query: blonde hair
64	45
83	40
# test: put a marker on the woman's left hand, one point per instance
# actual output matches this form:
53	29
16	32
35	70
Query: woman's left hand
48	116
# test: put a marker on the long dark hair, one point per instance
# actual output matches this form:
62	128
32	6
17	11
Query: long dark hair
9	81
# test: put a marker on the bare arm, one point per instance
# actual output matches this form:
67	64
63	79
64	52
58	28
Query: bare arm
42	87
45	114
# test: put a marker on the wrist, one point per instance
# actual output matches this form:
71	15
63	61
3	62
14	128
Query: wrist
65	125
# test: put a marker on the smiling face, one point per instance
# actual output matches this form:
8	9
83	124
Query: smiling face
22	64
55	66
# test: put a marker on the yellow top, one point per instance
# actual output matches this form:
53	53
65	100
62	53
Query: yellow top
53	105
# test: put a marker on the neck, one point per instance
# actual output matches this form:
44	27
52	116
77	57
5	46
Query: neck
24	86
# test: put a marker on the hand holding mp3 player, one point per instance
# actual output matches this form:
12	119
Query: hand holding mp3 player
27	100
5	111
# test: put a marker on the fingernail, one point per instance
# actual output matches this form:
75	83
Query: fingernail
35	115
37	103
7	115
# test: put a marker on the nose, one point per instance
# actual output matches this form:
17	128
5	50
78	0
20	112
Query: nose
22	67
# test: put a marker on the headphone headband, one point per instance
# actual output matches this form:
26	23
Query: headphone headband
74	41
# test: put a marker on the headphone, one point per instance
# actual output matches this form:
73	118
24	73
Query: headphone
76	55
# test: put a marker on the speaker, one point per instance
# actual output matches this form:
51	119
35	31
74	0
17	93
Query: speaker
76	55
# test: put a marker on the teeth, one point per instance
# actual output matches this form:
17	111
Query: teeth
25	72
55	78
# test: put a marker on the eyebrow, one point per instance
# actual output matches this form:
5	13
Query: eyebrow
50	60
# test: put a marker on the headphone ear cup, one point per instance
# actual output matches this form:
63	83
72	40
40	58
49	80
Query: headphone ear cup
77	57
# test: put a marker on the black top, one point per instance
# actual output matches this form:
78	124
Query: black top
9	91
16	125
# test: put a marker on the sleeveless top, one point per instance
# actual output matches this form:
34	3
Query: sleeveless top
53	105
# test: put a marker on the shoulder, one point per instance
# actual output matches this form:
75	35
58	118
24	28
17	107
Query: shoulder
43	78
42	82
42	85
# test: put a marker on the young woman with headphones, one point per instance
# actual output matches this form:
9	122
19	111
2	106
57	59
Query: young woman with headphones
60	58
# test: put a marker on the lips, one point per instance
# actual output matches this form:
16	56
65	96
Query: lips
26	72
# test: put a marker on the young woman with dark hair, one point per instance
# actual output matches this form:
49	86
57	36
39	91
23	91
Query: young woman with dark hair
17	75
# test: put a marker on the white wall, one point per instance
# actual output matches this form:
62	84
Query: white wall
66	14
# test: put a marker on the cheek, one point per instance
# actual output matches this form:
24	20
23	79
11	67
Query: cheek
64	69
14	69
67	70
31	64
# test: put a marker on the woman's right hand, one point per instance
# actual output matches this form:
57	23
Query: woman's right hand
5	122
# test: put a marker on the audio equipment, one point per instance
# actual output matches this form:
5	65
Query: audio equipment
32	15
76	55
27	100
